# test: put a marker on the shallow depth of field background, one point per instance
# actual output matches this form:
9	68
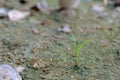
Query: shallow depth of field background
98	60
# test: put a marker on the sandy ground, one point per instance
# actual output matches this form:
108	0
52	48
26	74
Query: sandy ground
50	55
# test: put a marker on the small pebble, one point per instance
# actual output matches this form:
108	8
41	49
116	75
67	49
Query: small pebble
19	69
42	6
98	8
36	66
3	12
65	28
16	15
69	13
36	31
40	64
118	9
102	15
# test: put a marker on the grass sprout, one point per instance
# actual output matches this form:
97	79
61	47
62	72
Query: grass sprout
78	48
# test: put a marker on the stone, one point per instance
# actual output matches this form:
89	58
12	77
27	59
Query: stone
16	15
7	72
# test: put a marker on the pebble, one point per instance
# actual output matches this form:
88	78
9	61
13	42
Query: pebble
7	72
3	12
65	28
19	69
67	13
42	6
102	15
98	8
16	15
118	9
36	31
40	64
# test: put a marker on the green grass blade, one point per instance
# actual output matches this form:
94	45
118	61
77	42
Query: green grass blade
74	39
82	45
79	47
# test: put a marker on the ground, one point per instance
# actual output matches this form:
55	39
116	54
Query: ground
50	55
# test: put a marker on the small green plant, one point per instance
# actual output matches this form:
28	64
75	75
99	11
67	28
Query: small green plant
78	48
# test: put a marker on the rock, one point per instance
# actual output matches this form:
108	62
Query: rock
40	64
36	66
15	15
98	8
71	4
67	13
118	9
65	28
19	69
105	2
116	3
2	3
8	73
102	15
3	12
36	31
42	6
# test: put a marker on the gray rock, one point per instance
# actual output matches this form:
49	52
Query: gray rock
65	28
3	12
43	6
118	9
8	73
98	8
